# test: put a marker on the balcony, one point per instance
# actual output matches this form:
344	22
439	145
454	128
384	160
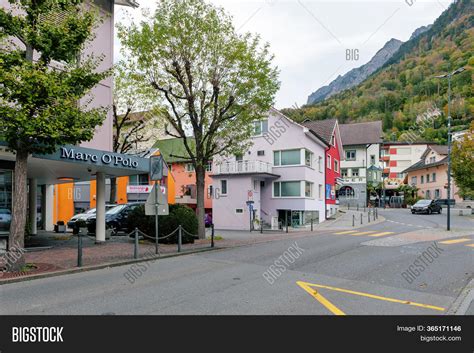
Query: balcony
243	167
354	179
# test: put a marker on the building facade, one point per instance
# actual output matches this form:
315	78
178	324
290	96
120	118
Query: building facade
430	175
52	177
328	131
361	143
279	181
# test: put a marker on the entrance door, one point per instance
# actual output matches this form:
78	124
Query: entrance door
284	217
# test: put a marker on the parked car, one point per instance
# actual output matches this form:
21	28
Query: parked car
5	218
426	206
116	218
85	215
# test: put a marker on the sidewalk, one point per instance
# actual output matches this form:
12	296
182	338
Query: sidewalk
346	218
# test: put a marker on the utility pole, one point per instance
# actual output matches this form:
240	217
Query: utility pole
449	76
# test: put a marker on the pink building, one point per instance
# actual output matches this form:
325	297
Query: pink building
430	175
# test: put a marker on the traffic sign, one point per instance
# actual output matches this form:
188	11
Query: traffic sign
160	194
156	167
163	210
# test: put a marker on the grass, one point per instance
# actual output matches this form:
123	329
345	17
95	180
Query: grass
28	267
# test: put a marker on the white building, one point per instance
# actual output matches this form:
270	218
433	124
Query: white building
279	181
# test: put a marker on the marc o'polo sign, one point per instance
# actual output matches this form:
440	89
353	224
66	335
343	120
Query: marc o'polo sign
97	157
104	158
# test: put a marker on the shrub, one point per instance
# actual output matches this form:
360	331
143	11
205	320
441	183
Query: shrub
179	214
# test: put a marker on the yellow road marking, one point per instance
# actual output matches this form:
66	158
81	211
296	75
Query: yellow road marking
362	233
471	245
347	232
380	234
368	295
455	241
330	306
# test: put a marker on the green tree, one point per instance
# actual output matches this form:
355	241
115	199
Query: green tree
212	82
43	78
463	163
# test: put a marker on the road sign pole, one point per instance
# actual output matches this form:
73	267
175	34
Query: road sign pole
156	218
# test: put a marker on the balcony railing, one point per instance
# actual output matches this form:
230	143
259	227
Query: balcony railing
242	167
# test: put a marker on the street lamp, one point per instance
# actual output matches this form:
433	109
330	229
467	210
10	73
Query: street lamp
449	76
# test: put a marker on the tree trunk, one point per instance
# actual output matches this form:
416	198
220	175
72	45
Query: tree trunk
113	190
16	240
200	193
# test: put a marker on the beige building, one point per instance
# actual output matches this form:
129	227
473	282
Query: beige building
430	175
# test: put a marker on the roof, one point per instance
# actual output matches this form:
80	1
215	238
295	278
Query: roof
422	165
322	128
396	143
440	149
361	133
173	149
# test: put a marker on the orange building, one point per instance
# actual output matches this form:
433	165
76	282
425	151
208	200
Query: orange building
183	175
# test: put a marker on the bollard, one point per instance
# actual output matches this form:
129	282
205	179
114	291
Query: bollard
311	224
212	235
357	207
287	227
348	206
261	226
135	250
180	237
368	216
361	218
79	249
353	220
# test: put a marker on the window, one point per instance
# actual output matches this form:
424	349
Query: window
239	210
189	167
260	127
287	189
209	167
351	155
308	158
320	191
261	153
336	166
320	164
403	151
328	162
308	189
422	179
344	173
239	157
413	180
428	194
355	172
427	178
210	192
433	177
287	157
333	140
141	179
372	159
432	159
262	184
223	187
436	194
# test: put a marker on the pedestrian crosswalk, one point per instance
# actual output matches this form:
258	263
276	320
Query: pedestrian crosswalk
371	233
460	241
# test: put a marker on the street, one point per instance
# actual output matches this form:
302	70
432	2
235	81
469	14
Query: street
350	272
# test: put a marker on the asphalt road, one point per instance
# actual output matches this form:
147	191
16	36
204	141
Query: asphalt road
333	274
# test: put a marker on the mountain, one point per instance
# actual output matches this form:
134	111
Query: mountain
405	87
357	75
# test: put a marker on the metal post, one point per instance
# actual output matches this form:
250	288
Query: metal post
368	216
212	235
156	217
180	234
135	248
361	218
286	220
79	250
261	226
311	224
353	220
448	225
357	206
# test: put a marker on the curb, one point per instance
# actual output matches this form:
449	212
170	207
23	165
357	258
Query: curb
463	301
100	267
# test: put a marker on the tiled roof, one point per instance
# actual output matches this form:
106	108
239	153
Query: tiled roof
422	165
440	149
361	133
322	128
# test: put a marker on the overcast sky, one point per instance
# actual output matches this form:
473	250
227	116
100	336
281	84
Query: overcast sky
310	37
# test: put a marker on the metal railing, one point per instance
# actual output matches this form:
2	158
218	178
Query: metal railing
238	167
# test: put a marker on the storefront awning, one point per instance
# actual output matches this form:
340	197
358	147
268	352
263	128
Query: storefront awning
71	163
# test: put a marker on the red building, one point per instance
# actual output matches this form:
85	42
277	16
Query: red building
328	131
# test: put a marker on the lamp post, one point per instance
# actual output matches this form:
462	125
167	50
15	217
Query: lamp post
449	76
